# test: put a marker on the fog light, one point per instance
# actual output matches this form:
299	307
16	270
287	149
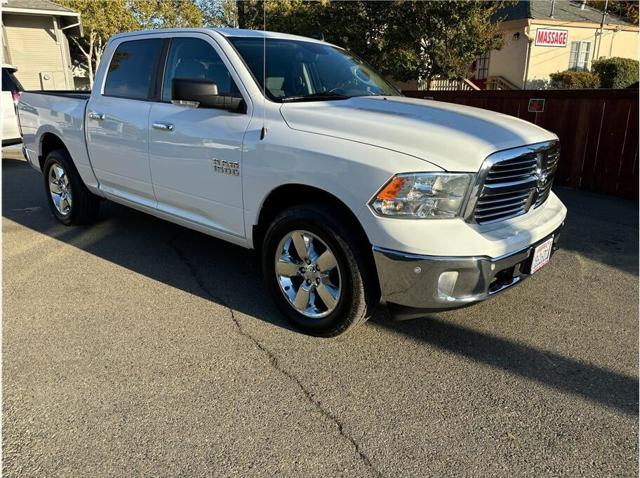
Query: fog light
446	284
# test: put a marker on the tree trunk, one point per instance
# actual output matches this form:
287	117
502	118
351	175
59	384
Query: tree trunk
90	58
241	14
99	50
90	68
88	54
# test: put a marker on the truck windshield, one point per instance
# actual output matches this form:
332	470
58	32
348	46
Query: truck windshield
306	71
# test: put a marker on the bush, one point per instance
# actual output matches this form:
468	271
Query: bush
574	80
616	72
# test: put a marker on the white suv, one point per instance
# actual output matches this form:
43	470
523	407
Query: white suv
11	89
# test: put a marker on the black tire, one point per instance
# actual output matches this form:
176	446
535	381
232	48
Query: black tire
84	205
359	289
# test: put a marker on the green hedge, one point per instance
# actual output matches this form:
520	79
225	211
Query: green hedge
616	72
574	80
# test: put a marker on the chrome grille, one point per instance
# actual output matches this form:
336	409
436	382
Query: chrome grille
513	181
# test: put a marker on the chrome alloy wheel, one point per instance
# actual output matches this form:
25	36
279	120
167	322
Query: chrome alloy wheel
60	189
308	274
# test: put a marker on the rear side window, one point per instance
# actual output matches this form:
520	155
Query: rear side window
132	69
9	81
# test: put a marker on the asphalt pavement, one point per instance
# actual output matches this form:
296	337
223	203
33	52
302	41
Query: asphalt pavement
135	347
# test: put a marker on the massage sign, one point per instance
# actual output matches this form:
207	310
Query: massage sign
551	37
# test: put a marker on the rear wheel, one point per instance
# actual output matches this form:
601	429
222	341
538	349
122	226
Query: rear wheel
316	272
69	199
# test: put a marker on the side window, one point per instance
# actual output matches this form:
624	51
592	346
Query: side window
132	69
191	58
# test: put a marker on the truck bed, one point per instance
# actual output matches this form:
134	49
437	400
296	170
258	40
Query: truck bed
46	115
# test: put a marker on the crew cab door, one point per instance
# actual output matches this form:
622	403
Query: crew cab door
195	152
117	121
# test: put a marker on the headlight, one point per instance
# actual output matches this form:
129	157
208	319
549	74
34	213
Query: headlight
423	195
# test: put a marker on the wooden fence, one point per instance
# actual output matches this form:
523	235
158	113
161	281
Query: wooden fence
598	131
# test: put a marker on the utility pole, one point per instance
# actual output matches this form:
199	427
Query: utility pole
601	33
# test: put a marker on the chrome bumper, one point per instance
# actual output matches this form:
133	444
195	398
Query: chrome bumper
434	282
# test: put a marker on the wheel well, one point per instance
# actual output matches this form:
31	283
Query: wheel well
49	142
290	195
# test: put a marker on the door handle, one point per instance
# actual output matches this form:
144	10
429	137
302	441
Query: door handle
96	116
163	126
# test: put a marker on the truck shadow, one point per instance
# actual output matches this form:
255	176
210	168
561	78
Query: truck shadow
596	384
229	275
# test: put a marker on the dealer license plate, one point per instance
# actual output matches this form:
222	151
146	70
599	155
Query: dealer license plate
541	255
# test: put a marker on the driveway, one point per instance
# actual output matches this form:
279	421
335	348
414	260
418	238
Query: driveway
137	347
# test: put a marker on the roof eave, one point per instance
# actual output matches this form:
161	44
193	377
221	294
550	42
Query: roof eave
32	11
583	24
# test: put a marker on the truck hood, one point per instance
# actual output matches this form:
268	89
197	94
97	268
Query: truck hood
450	136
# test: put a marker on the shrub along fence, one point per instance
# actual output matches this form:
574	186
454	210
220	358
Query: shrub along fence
598	130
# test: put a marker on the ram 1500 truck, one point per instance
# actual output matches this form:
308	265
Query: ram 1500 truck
351	193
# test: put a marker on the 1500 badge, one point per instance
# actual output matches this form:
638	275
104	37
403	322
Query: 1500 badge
232	168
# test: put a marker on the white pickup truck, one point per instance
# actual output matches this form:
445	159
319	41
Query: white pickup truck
350	192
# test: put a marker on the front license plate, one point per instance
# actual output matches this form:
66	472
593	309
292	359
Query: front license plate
541	255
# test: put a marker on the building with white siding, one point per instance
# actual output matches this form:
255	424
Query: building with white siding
34	40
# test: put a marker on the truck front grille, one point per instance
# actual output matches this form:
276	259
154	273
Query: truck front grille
513	181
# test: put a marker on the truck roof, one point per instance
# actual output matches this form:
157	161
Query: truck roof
226	32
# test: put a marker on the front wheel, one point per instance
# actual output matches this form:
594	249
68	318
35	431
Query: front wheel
315	271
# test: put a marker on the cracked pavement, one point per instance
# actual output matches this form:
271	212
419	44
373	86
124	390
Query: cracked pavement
136	347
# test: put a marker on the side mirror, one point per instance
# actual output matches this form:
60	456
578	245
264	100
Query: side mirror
204	94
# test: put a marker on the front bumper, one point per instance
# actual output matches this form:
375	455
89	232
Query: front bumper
435	282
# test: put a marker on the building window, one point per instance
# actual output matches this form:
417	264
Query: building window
579	56
482	66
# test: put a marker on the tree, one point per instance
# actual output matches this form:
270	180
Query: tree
100	19
573	80
219	13
406	40
616	72
166	13
627	9
103	18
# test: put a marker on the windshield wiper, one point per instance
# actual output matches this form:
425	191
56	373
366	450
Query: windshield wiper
322	96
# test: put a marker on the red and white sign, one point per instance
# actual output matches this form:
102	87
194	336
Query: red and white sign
551	37
536	105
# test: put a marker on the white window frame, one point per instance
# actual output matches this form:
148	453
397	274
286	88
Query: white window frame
580	55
